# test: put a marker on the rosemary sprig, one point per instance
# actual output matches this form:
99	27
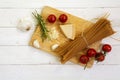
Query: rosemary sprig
41	24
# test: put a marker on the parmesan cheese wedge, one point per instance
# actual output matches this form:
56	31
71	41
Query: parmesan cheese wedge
68	30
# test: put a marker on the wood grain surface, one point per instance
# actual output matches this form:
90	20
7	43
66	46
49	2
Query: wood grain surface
18	61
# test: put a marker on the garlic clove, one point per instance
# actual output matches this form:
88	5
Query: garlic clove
54	46
36	44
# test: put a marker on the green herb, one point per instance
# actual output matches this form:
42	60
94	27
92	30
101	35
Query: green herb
41	24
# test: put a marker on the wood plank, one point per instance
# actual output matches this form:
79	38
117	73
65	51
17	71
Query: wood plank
21	62
58	72
10	17
13	36
58	3
75	21
28	55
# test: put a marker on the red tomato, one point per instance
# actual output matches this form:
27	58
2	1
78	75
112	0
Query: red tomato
91	52
63	18
84	59
100	57
106	48
51	18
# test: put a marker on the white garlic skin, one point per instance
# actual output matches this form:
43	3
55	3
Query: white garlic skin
54	46
25	24
36	44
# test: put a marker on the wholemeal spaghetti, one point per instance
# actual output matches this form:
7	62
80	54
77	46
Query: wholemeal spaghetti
98	31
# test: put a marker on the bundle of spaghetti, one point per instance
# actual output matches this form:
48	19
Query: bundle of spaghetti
101	29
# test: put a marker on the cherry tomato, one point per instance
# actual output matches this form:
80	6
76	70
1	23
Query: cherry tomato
100	57
63	18
91	52
106	47
84	59
51	18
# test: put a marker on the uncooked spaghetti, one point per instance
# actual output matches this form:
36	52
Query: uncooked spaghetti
98	31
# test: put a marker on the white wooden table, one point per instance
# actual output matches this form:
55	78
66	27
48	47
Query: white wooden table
18	61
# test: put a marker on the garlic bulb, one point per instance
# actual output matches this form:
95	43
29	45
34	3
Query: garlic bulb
25	24
36	44
54	46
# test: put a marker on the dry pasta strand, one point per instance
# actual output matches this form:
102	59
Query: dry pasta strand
96	32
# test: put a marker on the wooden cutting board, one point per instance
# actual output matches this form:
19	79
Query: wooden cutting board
79	24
